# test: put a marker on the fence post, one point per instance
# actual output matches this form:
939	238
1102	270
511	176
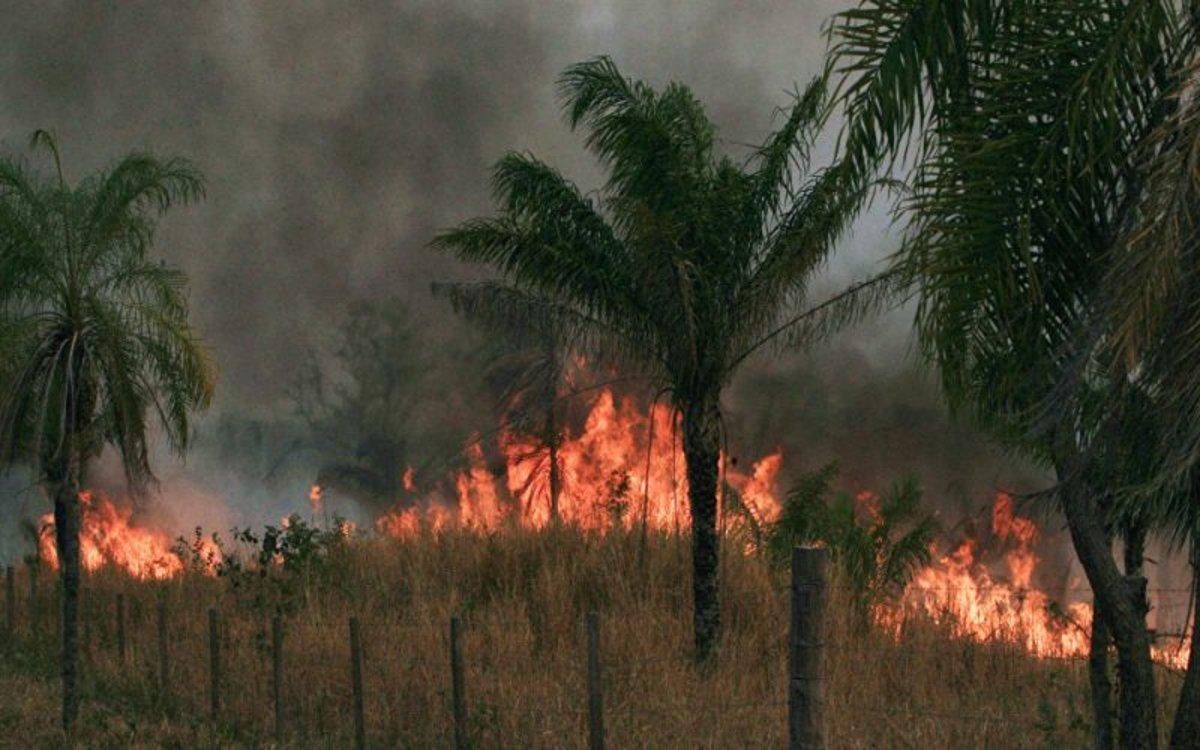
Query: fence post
164	664
35	623
85	623
277	674
214	661
360	729
10	603
121	628
595	693
806	726
457	685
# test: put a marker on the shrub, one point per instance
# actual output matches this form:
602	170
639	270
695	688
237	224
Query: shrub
877	542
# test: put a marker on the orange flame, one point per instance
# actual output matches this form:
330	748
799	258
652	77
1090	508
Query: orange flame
108	536
961	593
625	465
315	495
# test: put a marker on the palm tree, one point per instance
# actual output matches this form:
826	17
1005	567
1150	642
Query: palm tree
1022	119
528	370
1148	303
684	263
94	338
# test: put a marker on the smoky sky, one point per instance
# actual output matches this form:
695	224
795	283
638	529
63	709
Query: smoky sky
338	137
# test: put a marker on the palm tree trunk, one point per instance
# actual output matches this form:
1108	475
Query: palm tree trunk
1102	734
555	478
1185	734
1098	677
66	528
701	451
1135	549
551	427
1118	601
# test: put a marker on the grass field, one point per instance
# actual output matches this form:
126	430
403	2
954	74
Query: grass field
522	596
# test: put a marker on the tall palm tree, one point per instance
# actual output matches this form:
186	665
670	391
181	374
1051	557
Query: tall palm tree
1149	304
94	338
684	262
1022	120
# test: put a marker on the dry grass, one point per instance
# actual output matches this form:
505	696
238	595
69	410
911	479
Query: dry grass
523	596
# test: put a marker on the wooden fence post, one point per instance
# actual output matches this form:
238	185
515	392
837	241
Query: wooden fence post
121	628
164	664
214	663
360	729
35	624
10	603
277	674
85	623
595	693
806	727
457	685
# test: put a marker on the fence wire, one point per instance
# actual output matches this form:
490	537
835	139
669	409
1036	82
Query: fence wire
239	639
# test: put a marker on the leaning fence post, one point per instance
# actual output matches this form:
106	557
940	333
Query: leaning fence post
214	662
277	674
10	603
594	691
360	729
121	628
457	685
806	728
164	665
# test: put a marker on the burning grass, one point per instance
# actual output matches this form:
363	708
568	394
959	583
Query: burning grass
523	594
623	467
110	536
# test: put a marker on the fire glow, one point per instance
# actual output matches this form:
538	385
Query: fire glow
625	468
959	592
109	537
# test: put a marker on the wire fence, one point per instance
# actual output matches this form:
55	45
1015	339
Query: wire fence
250	661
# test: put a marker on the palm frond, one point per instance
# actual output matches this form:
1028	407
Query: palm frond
857	302
647	139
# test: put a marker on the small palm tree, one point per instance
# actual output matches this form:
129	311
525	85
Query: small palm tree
684	264
877	543
528	371
94	338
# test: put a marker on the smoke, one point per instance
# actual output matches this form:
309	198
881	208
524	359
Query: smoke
337	138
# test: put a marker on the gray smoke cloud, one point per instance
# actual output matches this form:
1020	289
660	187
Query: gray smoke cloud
338	137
